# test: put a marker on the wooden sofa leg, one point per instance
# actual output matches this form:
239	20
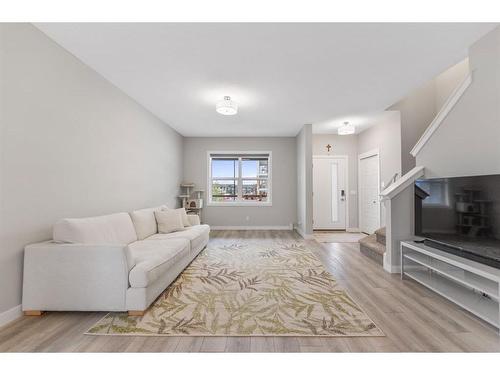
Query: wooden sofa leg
33	313
136	312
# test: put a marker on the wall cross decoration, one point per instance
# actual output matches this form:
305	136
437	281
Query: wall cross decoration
328	147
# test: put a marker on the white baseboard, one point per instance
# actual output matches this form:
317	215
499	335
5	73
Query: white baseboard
259	227
389	267
353	230
10	315
395	269
304	236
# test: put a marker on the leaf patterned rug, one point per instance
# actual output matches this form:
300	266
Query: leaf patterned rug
249	287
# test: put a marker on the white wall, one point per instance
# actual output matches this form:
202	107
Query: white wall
304	181
343	145
284	187
72	145
467	141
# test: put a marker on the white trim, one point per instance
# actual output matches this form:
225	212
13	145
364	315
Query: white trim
10	315
257	227
240	203
353	230
346	178
365	155
447	107
330	156
402	183
303	235
388	267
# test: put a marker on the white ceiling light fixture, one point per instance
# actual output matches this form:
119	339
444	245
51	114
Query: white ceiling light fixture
346	129
227	106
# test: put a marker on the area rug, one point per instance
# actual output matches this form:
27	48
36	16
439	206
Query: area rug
267	287
338	237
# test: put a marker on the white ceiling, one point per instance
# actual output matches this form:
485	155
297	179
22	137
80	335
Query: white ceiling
281	75
361	121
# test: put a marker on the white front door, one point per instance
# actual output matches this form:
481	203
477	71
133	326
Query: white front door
329	192
369	202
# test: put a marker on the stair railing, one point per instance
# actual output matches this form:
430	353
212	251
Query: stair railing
392	180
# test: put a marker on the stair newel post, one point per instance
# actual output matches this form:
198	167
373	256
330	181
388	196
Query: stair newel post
399	203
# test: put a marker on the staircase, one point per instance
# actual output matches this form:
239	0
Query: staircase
373	246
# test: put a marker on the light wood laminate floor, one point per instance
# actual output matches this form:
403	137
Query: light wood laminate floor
412	317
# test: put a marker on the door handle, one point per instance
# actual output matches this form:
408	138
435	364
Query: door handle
342	195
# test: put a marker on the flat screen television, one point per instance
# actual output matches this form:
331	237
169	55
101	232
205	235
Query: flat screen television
460	215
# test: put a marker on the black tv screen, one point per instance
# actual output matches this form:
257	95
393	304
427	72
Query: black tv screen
460	215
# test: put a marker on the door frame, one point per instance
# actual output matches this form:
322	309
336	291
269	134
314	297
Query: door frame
365	155
346	179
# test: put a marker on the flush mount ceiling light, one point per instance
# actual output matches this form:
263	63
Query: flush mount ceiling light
227	106
346	129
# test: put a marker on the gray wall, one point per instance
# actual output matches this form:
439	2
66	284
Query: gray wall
343	145
72	145
417	111
304	181
467	142
420	107
448	81
283	210
386	136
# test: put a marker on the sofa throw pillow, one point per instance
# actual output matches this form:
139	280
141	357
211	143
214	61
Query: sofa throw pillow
145	222
169	221
184	216
185	219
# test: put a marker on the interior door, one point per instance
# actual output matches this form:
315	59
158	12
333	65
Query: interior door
329	193
369	200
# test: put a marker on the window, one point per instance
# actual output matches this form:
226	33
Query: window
239	178
437	190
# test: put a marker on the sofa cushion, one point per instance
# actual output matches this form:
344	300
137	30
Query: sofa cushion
108	229
169	221
154	258
196	234
145	222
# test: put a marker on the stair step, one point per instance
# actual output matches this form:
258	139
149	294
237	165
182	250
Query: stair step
371	248
371	242
380	233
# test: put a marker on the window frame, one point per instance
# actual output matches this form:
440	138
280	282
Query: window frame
240	155
444	193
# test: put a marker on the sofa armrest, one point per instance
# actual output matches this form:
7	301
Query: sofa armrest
75	277
194	219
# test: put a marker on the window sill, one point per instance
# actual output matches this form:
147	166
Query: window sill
437	205
239	204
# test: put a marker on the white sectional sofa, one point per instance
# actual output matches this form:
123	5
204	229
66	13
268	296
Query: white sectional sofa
116	262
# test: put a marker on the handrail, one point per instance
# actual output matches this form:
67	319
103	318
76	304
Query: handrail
447	107
402	183
392	180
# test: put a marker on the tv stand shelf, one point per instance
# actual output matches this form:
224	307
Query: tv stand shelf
473	286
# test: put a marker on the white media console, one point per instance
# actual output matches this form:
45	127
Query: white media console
473	286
